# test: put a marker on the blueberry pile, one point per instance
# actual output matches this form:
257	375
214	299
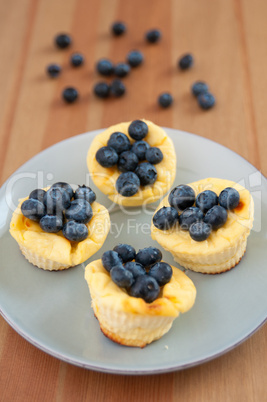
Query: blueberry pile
201	91
198	214
136	161
61	208
142	274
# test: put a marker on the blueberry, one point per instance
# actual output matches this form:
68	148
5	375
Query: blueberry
186	61
56	200
117	88
190	215
229	198
79	211
119	141
111	259
206	200
154	155
135	58
38	194
125	251
199	87
139	148
33	209
128	184
165	218
182	197
148	256
118	28
75	231
138	130
102	90
200	231
153	35
64	186
105	67
135	268
165	99
76	59
85	193
107	157
147	173
216	217
51	223
162	272
206	100
122	69
63	41
53	70
146	288
70	94
121	276
128	161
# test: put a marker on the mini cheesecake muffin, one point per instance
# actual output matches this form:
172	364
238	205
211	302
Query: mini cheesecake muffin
133	163
205	224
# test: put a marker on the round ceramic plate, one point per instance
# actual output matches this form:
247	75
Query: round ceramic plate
52	310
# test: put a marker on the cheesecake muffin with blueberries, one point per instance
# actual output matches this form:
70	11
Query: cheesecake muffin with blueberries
137	296
132	163
205	225
57	227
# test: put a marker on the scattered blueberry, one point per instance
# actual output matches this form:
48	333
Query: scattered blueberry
53	70
229	198
154	155
147	173
51	223
182	197
145	287
56	199
105	67
165	218
186	61
63	41
119	141
199	87
121	276
135	58
65	186
70	94
153	35
38	194
75	231
138	130
117	88
107	157
76	59
85	193
216	217
206	200
79	211
139	148
102	90
125	251
148	256
206	100
165	100
162	272
122	69
128	184
128	161
200	231
111	259
33	209
118	28
190	215
135	268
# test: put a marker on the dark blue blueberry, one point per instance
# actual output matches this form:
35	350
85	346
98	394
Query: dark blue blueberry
117	88
139	148
206	200
122	69
190	215
135	268
51	223
216	217
64	186
76	59
102	90
147	173
121	276
200	231
154	155
75	231
56	200
120	142
229	198
148	256
199	87
38	194
105	67
153	35
118	28
162	272
53	70
70	94
128	161
165	99
111	259
63	41
135	58
146	288
79	211
85	193
107	157
165	218
33	209
138	130
182	197
206	100
128	184
125	251
186	61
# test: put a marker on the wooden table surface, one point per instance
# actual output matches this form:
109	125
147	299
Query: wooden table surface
228	40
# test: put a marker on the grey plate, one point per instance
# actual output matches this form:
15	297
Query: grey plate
52	309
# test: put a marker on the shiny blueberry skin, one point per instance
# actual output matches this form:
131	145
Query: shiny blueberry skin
206	100
200	231
105	67
135	268
53	70
229	198
186	61
148	256
190	215
182	197
65	186
216	217
199	87
165	218
145	287
75	231
154	155
135	58
122	69
139	148
107	157
51	223
206	200
165	100
118	28
125	251
121	276
33	209
63	41
162	272
128	161
120	142
79	211
153	35
111	259
38	194
102	90
56	200
138	130
70	94
117	88
128	184
76	59
147	173
85	193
